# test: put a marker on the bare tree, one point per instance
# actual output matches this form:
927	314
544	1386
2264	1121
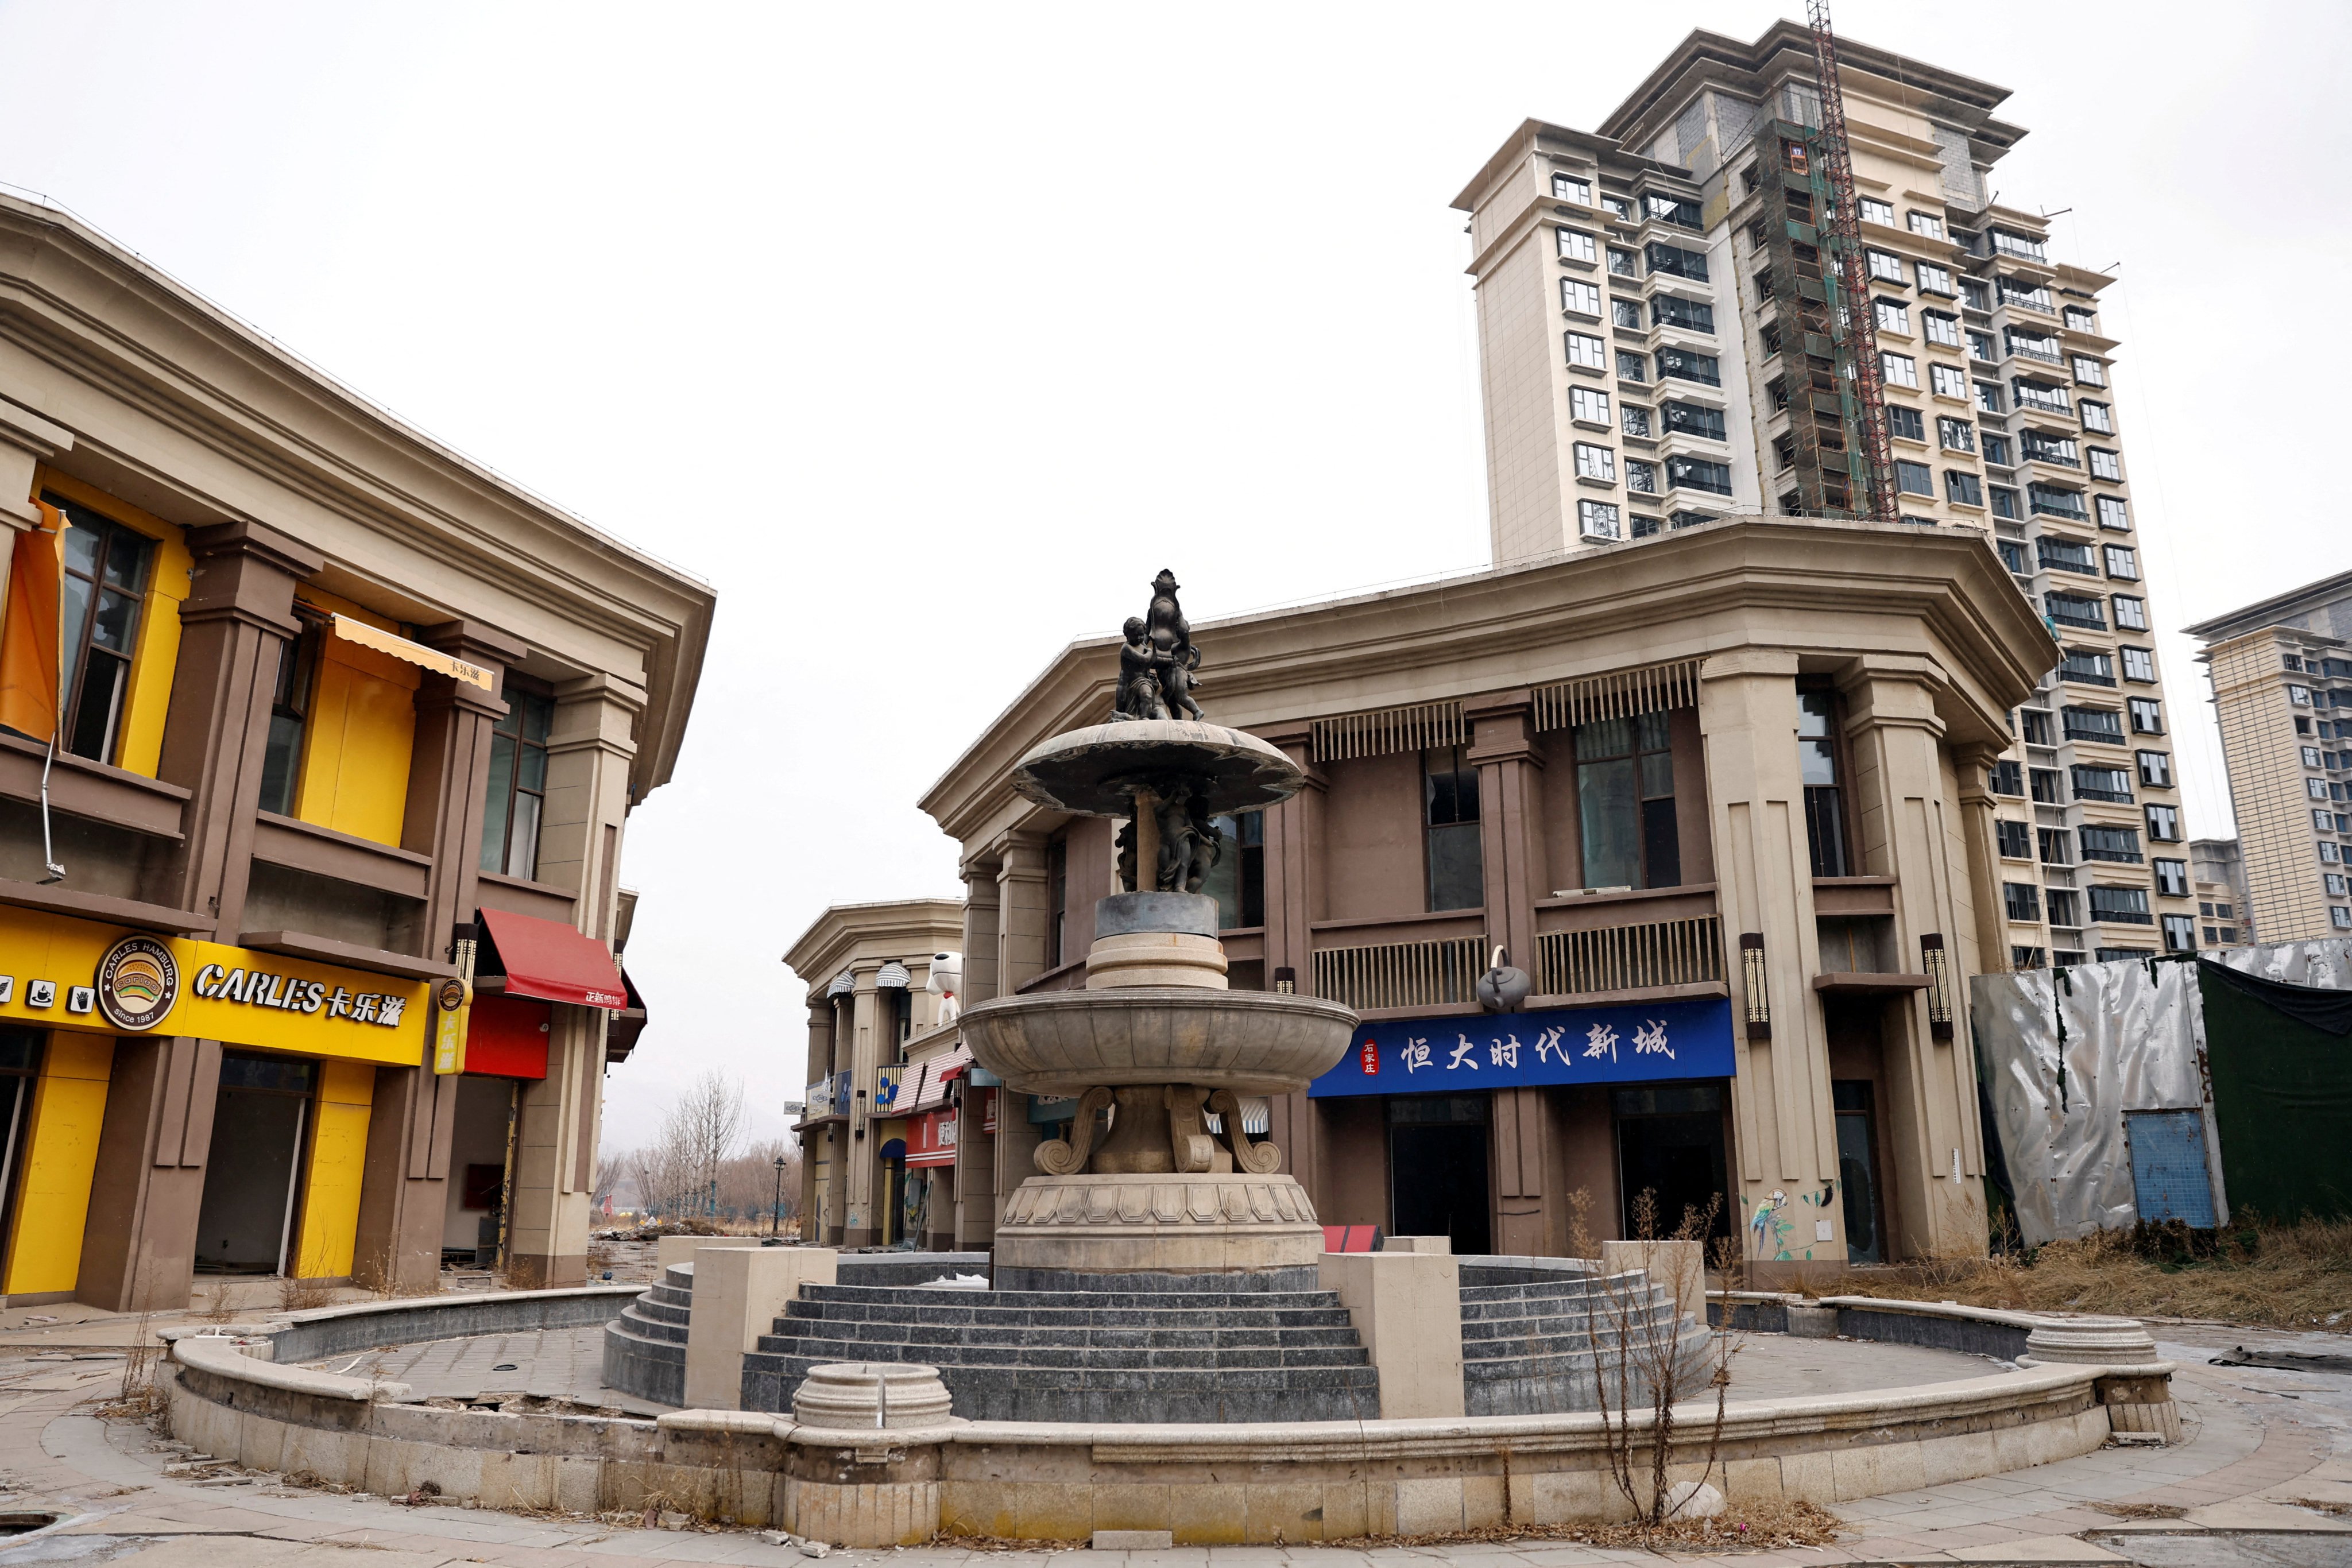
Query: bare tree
1652	1367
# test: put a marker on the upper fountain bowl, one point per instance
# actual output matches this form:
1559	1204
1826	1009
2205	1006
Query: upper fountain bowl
1094	771
1067	1042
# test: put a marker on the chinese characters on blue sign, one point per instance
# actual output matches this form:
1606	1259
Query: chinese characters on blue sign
1512	1051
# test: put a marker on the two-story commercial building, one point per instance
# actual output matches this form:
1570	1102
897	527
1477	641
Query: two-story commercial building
880	1159
305	719
1721	793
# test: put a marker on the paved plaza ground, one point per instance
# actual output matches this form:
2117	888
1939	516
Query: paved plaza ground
2268	1452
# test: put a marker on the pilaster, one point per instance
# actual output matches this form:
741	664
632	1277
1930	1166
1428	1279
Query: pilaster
237	619
861	1217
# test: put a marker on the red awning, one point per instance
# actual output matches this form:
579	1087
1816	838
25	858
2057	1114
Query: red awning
549	960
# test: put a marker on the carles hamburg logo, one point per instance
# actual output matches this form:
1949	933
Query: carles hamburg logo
138	981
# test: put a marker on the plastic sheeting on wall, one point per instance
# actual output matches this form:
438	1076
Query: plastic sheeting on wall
2063	1054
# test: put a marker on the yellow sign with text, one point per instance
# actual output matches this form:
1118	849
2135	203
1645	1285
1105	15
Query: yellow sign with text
453	1002
61	973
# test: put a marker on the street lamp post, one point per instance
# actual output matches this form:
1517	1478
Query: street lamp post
776	1210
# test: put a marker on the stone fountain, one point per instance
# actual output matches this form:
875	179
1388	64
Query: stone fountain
1156	1038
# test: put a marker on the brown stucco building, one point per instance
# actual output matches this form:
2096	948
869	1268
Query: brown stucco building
1721	792
344	715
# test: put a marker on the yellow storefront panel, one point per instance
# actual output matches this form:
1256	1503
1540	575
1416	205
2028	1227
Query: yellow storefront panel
362	729
331	1202
61	1157
48	975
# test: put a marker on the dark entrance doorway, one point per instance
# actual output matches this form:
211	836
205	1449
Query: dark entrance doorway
20	1064
1671	1144
1437	1169
1857	1142
246	1222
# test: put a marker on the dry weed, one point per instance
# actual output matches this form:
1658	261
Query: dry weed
2296	1276
302	1295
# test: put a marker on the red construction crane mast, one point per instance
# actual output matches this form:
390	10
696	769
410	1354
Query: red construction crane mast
1843	231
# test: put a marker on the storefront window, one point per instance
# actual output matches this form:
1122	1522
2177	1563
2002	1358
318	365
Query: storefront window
106	577
1625	802
518	787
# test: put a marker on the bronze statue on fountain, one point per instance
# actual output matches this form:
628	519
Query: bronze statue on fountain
1156	1036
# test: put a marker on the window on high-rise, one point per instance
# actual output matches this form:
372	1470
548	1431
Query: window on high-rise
2022	900
2025	958
2139	663
2180	934
1684	365
2056	848
1674	310
2065	908
1636	421
2057	501
1676	262
1586	351
1941	327
2066	555
2092	783
1697	473
1623	263
2004	501
2147	715
1679	210
1914	478
2123	561
1884	266
1980	347
2089	372
1640	477
1626	313
1817	758
1900	370
1989	396
2005	776
1946	380
2106	465
1976	294
1569	188
2163	824
1596	461
1617	207
1934	279
2131	614
2172	879
1925	223
2095	416
2014	840
2121	905
1597	520
1892	314
1963	488
2044	785
1874	210
2081	319
1575	245
1579	298
1905	424
1694	419
2113	513
1589	405
1631	367
1955	436
2104	724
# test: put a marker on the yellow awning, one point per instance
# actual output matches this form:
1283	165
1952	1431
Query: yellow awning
416	654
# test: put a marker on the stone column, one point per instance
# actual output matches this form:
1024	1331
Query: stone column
976	1186
138	1250
404	1194
861	1224
1784	1126
1909	829
1021	922
1293	830
237	617
1510	821
589	753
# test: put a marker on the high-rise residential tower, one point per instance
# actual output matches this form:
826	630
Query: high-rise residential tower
2283	691
1656	324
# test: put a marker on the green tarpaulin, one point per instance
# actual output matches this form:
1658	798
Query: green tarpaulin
2281	1061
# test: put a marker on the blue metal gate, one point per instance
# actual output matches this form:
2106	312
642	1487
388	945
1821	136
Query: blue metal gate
2170	1178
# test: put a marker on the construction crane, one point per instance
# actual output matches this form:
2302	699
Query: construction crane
1843	232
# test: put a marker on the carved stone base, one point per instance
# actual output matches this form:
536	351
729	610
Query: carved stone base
1158	1223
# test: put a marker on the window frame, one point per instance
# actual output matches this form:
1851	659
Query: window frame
540	698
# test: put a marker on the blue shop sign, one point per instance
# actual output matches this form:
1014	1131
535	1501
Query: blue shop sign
1629	1044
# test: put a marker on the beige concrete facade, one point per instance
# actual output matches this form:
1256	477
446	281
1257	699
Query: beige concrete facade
1639	362
870	1019
2281	675
1711	639
282	520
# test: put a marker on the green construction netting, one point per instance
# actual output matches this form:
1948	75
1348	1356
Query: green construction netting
2281	1072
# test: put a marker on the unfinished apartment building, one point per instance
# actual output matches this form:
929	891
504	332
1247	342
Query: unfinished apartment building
1666	340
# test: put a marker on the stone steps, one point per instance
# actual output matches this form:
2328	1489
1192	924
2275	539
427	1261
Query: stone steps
1108	1355
645	1347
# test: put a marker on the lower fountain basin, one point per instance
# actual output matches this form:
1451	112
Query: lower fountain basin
1066	1042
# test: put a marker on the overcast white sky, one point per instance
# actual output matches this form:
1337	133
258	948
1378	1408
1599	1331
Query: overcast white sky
928	333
